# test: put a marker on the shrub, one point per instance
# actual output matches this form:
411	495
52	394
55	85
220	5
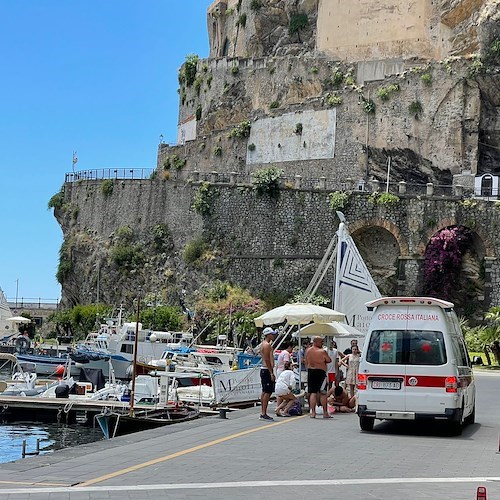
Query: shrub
188	71
161	237
415	109
124	234
241	130
57	201
298	128
202	202
217	151
65	265
198	112
235	70
197	84
314	70
107	187
337	77
194	250
127	256
368	106
383	199
338	200
251	147
174	161
426	78
274	105
476	68
384	93
334	100
266	181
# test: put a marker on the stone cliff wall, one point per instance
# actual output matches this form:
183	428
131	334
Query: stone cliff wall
259	242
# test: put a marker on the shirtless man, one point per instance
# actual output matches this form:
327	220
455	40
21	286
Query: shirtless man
339	398
267	377
317	382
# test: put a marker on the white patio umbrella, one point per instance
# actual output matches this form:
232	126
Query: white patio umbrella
299	314
333	329
19	319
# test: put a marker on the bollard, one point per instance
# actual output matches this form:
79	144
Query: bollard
481	493
223	412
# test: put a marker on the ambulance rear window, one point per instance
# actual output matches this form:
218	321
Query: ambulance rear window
406	347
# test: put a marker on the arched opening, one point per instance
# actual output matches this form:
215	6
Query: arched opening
453	269
487	186
380	251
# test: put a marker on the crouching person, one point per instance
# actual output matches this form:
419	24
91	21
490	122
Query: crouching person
340	400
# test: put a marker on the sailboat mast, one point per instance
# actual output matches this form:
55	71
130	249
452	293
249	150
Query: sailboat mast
338	261
134	365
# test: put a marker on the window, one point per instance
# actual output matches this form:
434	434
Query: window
406	347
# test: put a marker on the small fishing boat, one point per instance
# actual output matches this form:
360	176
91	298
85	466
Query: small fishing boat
115	424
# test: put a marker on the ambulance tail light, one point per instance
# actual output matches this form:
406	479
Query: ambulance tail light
362	380
451	384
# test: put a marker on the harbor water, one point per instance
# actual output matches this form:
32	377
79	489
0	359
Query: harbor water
51	437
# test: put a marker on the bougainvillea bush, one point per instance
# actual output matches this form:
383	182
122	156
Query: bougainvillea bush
443	260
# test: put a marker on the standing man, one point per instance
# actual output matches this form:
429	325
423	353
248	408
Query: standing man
267	377
317	382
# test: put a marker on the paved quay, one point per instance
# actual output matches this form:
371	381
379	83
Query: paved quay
247	458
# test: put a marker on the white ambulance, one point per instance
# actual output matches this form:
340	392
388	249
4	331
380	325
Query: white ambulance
415	365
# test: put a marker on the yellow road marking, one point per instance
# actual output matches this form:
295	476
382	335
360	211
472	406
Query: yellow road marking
181	453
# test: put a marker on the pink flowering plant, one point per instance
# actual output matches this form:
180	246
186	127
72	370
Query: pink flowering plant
443	259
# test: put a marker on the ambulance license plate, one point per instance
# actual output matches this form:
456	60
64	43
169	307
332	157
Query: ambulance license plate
386	384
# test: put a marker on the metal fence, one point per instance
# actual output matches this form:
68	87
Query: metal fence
109	173
32	303
286	181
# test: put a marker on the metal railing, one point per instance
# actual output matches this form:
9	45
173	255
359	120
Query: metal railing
287	182
109	173
32	303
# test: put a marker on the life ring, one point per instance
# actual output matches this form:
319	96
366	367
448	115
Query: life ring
22	345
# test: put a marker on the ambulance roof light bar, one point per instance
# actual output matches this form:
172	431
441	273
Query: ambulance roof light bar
402	301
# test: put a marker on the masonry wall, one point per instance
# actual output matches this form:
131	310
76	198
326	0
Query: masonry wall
259	242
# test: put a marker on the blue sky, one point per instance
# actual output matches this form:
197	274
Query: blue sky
92	76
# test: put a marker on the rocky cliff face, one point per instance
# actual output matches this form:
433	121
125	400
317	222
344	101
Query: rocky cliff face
268	97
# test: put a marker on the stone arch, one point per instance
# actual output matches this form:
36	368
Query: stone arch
381	245
385	224
452	221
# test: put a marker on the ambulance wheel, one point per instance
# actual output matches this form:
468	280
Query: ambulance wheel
472	417
456	426
366	423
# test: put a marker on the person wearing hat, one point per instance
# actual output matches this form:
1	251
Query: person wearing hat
267	377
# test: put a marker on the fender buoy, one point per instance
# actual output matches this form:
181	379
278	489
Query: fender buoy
59	370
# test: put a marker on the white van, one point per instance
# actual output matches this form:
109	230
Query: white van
415	365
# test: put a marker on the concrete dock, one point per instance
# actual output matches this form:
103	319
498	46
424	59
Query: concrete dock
243	457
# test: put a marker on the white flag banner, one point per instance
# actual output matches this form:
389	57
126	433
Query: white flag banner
354	285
